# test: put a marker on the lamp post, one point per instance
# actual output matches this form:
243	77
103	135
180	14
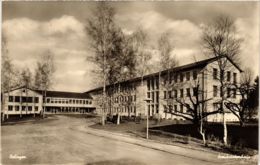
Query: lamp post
147	118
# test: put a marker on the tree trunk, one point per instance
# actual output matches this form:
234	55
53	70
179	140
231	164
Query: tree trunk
225	128
202	133
118	119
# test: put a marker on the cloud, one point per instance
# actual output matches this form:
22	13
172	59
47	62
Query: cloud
184	34
64	36
248	30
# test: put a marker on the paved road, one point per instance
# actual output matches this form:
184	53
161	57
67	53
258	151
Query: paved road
57	141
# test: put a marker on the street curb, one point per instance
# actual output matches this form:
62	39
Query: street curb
106	133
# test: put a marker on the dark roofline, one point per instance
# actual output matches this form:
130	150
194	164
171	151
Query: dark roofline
201	63
62	94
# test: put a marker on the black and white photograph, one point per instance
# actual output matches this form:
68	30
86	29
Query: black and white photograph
130	82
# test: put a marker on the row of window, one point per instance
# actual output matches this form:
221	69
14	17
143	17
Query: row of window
174	108
174	77
154	96
222	75
126	109
125	99
68	101
174	93
153	108
154	83
23	99
23	108
123	88
231	92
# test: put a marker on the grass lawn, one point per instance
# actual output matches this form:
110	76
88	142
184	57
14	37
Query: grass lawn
246	136
182	133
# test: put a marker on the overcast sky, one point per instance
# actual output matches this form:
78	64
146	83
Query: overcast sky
34	27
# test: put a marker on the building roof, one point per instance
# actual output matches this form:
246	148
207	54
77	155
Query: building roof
199	64
61	94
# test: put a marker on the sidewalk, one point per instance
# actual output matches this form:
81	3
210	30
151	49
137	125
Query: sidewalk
208	157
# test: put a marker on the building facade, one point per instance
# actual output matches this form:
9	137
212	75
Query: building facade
22	101
168	91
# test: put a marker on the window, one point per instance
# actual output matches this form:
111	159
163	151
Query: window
222	75
215	91
152	84
23	108
35	108
29	99
11	98
195	91
215	73
181	77
148	94
10	107
164	94
17	99
195	75
228	92
234	93
157	83
157	96
152	96
228	76
175	93
17	108
170	94
170	108
29	108
181	92
187	76
181	108
216	106
188	91
48	100
148	84
175	78
175	108
234	78
36	99
157	108
24	99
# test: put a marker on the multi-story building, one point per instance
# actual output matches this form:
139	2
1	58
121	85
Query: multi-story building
167	91
23	101
164	94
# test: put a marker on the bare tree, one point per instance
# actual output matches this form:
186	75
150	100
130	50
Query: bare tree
195	104
7	74
242	108
219	40
106	42
138	42
44	75
167	60
26	81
